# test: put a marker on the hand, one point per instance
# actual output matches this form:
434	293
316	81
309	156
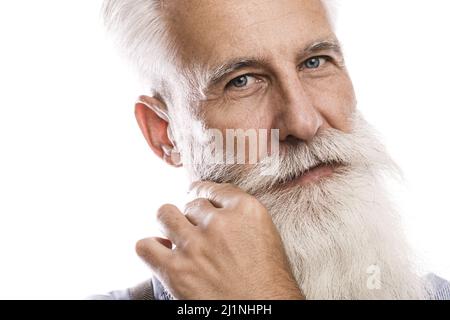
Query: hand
227	247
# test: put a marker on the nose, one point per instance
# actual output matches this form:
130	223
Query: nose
298	117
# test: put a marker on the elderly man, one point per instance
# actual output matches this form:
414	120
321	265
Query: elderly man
310	218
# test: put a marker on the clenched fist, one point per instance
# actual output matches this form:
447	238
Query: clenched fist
226	247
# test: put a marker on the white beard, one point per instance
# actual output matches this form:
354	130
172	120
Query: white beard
342	235
343	240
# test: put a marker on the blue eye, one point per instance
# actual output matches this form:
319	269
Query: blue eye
243	82
239	82
314	63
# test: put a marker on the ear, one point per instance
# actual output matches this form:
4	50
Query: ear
152	118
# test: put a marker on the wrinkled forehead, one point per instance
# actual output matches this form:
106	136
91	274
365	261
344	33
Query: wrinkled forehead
208	32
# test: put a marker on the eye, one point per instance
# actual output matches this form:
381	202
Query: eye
314	62
241	82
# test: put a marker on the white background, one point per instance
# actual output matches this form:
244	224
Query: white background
78	185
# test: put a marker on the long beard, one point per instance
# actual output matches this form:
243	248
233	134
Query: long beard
343	239
342	235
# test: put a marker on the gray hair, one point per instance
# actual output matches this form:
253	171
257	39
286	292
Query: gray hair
140	30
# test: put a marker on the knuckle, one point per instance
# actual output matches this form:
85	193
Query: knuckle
260	210
163	211
142	248
194	204
229	188
241	200
216	223
192	246
253	206
227	185
202	202
251	201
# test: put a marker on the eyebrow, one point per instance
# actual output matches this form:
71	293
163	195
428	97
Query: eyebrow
217	74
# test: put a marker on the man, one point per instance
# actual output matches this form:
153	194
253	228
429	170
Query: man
309	219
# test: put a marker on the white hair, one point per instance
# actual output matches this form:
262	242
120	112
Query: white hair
342	235
141	32
140	29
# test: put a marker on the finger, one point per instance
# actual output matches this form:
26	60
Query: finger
175	226
165	242
219	194
198	211
153	252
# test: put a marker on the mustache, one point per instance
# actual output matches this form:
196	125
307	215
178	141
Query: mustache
358	148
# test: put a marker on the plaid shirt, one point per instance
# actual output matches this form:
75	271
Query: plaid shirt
154	290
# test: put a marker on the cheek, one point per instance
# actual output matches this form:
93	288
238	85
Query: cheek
248	113
336	102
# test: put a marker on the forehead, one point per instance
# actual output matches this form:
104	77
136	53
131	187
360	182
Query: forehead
208	32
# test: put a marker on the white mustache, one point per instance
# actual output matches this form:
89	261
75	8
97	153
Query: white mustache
356	149
329	229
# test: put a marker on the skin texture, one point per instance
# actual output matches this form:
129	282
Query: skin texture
226	244
214	258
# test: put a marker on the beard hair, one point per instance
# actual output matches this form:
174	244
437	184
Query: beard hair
341	234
